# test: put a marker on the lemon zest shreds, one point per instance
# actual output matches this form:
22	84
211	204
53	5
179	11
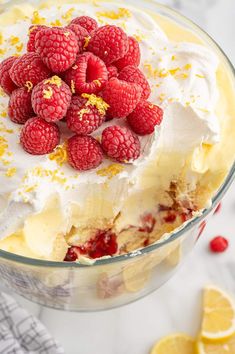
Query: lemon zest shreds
59	155
82	112
19	47
97	102
47	93
29	85
200	76
110	171
187	67
3	114
87	40
29	189
73	86
56	23
3	146
121	13
37	20
10	172
54	80
173	71
2	51
97	82
68	14
14	40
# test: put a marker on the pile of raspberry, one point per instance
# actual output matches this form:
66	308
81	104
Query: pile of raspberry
82	75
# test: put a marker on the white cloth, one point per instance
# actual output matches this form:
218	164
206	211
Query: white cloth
22	333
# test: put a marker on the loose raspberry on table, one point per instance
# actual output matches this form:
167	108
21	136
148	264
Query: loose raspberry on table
219	244
33	30
120	144
145	117
83	118
134	75
88	75
58	48
122	97
29	70
84	152
39	137
51	99
86	22
109	43
112	71
81	35
20	107
6	82
132	57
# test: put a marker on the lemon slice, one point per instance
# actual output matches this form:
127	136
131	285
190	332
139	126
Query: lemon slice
218	315
174	344
227	347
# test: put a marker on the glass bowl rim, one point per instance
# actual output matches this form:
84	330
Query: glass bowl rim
174	235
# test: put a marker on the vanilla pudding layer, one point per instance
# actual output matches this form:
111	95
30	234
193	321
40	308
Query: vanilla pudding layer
45	205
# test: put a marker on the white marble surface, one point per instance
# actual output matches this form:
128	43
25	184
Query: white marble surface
176	306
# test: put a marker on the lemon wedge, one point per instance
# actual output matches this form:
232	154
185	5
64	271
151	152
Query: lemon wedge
227	347
218	315
174	344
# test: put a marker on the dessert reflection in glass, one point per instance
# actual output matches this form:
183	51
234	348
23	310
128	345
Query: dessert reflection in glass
119	131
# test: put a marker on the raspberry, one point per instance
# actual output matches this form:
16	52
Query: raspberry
132	57
145	117
112	71
6	82
58	48
103	244
86	22
71	255
88	75
148	223
109	43
51	99
84	152
39	137
20	107
122	97
81	35
33	30
83	118
29	69
120	144
134	75
219	244
170	218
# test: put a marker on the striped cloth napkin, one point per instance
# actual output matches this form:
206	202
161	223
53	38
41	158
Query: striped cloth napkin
22	333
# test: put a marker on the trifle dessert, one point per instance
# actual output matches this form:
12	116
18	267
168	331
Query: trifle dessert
115	130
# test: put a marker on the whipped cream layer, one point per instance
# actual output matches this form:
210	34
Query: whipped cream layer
183	82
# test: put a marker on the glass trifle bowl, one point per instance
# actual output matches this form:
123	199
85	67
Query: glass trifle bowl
139	269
